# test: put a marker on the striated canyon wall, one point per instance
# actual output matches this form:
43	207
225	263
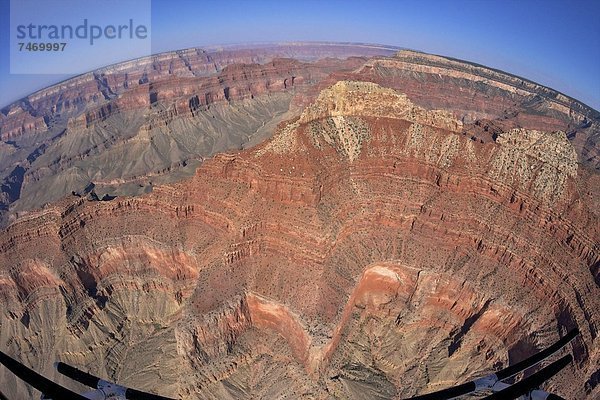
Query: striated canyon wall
374	247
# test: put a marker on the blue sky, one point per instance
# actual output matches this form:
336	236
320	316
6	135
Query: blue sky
556	43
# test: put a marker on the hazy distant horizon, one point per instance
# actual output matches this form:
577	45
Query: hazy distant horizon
249	45
553	43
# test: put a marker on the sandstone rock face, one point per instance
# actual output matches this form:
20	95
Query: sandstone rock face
382	243
488	97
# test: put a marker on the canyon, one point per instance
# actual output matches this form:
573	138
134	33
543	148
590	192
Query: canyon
319	221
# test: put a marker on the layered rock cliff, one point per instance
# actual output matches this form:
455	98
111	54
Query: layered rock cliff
374	247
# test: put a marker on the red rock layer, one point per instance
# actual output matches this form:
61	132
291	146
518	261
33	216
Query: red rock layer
359	251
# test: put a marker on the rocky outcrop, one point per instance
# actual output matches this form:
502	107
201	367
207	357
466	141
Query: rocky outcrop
373	247
541	162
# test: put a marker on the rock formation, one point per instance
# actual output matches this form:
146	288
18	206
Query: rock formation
413	222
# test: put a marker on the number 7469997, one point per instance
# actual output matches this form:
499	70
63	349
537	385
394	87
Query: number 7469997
33	46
